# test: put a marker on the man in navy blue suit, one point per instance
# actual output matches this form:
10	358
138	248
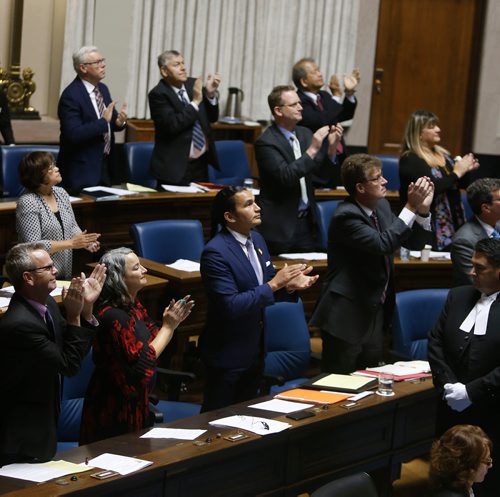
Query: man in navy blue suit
88	119
240	282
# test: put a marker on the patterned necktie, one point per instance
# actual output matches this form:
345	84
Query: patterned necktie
100	107
50	324
298	154
374	219
319	103
495	234
198	135
252	257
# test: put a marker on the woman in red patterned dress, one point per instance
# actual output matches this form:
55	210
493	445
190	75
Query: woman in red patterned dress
126	348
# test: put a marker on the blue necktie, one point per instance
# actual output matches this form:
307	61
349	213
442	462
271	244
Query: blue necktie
198	136
495	234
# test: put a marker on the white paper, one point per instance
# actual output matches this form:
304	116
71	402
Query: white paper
307	256
400	369
444	256
121	464
284	406
4	301
57	291
185	265
43	471
112	191
260	426
177	433
361	395
182	189
74	199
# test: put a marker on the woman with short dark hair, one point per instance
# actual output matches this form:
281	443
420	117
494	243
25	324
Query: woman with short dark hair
44	213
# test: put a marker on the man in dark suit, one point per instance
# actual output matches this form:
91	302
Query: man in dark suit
358	295
182	110
484	199
5	124
321	108
38	347
464	354
88	120
240	282
287	155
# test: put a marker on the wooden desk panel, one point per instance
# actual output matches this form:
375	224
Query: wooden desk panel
315	450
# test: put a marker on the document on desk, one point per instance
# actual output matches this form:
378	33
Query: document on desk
120	192
283	406
306	256
260	426
183	189
177	433
185	265
42	472
435	256
121	464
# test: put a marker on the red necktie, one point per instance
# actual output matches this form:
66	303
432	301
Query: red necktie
319	103
100	107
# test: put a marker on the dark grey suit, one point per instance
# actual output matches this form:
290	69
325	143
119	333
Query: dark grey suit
462	248
360	270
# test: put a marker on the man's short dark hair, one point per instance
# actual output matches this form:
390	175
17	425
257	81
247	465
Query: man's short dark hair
490	248
299	70
274	98
481	192
355	168
223	202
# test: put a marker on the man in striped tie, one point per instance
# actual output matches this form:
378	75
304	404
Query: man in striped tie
182	109
88	120
483	197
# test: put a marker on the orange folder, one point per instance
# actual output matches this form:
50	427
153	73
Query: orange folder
312	396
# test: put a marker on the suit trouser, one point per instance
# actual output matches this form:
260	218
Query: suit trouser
342	357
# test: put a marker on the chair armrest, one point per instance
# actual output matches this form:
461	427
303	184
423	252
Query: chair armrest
175	381
268	381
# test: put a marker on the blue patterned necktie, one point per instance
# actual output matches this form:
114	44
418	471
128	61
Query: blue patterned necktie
198	135
495	234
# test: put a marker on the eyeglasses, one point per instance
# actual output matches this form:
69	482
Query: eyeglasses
295	104
377	179
99	62
49	267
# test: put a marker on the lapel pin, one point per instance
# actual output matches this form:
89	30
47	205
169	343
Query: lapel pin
259	251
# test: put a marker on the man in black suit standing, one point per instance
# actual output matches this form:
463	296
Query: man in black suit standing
464	354
182	110
287	155
358	296
484	199
38	347
321	108
5	124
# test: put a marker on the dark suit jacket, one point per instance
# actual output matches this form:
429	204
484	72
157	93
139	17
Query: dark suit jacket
234	333
174	130
280	174
313	118
5	124
360	263
82	136
31	362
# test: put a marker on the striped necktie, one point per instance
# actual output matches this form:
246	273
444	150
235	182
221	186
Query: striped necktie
198	135
100	107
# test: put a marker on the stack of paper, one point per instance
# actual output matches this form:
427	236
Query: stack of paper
402	370
121	464
185	265
341	383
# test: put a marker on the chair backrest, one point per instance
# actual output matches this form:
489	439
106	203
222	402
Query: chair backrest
467	208
10	157
138	156
73	393
233	163
415	314
287	340
390	171
167	240
357	485
325	212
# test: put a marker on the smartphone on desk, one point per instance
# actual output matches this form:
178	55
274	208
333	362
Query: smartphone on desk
298	415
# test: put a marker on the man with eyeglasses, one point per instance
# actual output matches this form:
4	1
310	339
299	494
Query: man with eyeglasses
38	347
88	120
464	354
287	155
182	109
484	199
358	295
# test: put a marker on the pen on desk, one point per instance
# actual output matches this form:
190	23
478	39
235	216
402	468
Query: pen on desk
87	461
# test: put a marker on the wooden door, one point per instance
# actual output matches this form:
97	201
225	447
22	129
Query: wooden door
427	57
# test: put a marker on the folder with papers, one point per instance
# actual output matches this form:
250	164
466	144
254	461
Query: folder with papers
341	383
312	396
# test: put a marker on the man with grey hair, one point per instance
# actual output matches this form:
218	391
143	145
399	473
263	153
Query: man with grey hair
88	120
182	110
38	347
484	199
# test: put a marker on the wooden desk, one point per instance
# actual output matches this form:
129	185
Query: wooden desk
375	437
